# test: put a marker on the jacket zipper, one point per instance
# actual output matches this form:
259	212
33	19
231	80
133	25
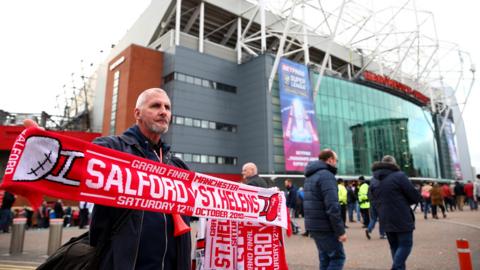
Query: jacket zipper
166	242
138	241
160	159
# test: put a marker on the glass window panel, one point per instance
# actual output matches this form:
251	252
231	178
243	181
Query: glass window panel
181	77
212	159
178	155
197	81
196	158
187	157
204	124
203	159
179	120
220	160
188	121
196	123
205	83
212	125
189	79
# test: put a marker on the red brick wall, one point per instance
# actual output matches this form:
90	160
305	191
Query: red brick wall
141	69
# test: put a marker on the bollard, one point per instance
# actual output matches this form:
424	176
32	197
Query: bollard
55	235
18	235
464	257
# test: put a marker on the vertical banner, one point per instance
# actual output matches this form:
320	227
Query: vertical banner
232	245
300	138
448	131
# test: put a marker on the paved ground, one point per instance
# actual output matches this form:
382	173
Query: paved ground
434	246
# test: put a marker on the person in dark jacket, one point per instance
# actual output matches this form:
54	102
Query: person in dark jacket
322	210
351	200
145	240
58	209
250	176
6	215
292	204
393	194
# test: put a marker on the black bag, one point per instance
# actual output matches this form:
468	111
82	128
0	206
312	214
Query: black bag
78	254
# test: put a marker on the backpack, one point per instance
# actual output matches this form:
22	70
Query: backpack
78	254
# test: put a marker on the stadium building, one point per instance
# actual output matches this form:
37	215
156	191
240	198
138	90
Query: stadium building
250	82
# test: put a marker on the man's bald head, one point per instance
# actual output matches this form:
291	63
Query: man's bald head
249	169
153	113
143	97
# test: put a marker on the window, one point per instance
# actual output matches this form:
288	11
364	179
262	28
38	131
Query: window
181	77
187	157
179	120
201	123
200	82
212	125
113	113
188	121
204	124
207	159
197	123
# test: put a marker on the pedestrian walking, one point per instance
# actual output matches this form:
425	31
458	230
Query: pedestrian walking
437	201
351	200
291	204
322	210
393	194
342	199
427	200
364	202
459	191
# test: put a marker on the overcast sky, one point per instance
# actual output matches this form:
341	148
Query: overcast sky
44	42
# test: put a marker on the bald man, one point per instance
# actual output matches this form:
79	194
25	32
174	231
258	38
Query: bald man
250	176
143	239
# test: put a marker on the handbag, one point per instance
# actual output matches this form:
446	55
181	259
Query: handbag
78	254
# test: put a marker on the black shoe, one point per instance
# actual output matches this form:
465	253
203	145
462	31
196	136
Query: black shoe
383	237
346	227
364	226
306	234
367	233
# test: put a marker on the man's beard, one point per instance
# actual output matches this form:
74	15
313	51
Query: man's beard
157	129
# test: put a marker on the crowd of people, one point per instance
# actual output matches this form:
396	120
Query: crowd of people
40	218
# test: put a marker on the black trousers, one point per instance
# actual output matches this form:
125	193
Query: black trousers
365	216
343	211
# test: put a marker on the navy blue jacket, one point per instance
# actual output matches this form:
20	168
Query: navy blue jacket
144	235
321	206
393	193
292	197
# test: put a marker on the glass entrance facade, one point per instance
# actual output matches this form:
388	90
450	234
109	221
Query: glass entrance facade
362	124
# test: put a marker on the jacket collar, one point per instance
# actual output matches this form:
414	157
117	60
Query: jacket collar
382	169
133	136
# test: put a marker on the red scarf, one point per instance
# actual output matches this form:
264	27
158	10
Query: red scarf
46	163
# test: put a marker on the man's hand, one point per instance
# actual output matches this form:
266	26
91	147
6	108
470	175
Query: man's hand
30	123
342	238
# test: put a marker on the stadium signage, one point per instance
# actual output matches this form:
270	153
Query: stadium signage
396	85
